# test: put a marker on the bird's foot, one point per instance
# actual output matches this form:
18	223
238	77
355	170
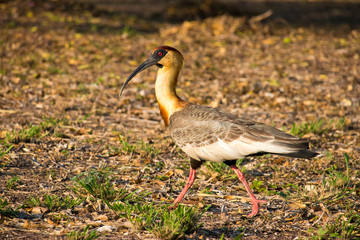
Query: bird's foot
255	208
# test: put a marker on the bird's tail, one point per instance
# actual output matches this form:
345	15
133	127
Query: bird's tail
287	145
307	153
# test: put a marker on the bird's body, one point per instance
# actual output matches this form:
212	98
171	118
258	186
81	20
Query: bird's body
208	134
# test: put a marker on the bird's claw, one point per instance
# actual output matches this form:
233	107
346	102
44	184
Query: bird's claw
255	208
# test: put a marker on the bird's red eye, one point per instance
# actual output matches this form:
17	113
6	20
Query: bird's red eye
160	54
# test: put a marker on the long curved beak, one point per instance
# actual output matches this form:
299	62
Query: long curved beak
148	63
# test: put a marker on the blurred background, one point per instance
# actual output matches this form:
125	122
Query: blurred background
294	12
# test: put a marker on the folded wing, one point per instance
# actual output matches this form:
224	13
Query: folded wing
210	134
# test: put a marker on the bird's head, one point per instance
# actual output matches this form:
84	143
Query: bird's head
164	57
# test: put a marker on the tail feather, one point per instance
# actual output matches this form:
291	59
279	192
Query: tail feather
294	144
282	143
291	147
298	148
300	154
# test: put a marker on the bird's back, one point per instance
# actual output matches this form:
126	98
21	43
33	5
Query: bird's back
206	133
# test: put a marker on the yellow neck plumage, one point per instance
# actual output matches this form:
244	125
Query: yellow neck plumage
165	90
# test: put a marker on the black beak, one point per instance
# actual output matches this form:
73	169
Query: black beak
148	63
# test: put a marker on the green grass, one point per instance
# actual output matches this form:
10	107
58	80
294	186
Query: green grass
48	124
54	70
54	203
5	150
84	118
128	31
82	88
84	234
13	183
346	226
334	186
221	171
23	135
175	224
258	186
29	134
161	222
99	185
341	123
206	190
126	147
317	127
5	210
218	171
270	189
238	237
147	150
144	149
140	215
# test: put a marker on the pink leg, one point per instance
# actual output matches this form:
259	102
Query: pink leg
254	201
189	182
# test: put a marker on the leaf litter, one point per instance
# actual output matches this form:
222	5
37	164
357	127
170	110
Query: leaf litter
61	118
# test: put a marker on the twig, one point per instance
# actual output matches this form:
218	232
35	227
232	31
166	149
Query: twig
322	214
97	150
253	22
52	159
261	17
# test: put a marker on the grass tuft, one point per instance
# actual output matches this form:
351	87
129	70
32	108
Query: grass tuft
334	186
317	127
84	234
346	226
13	183
28	134
144	149
161	222
98	185
126	146
5	210
54	203
5	150
140	215
175	224
147	150
23	135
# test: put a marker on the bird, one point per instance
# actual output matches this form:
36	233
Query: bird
209	134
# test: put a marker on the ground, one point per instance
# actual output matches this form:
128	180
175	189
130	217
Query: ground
62	120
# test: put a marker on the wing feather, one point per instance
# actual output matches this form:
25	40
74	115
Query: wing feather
209	134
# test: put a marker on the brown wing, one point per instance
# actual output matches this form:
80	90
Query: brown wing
210	134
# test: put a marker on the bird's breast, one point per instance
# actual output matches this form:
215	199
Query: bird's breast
169	107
